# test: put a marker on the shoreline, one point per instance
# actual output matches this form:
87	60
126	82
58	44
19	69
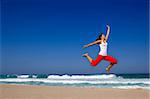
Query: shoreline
75	86
16	91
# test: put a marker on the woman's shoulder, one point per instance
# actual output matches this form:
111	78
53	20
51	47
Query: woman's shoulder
99	41
105	41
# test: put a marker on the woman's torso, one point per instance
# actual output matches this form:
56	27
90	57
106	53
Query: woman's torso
103	48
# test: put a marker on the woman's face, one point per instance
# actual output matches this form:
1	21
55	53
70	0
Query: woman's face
103	37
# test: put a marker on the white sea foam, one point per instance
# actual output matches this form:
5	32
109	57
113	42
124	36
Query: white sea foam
111	81
132	87
114	81
104	76
34	76
23	76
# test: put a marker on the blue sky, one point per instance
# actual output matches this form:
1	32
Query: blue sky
46	36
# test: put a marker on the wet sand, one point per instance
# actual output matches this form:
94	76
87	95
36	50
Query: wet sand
52	92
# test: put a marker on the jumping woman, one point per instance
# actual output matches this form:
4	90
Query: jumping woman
102	42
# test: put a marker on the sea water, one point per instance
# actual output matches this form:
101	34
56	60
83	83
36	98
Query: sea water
125	81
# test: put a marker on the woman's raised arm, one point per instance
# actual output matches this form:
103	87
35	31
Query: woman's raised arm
108	31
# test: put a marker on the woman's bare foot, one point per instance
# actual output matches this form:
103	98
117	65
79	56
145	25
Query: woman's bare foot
85	55
109	67
108	70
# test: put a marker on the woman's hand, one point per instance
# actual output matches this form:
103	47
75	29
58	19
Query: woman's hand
107	26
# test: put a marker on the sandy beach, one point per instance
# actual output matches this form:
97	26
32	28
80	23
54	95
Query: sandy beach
48	92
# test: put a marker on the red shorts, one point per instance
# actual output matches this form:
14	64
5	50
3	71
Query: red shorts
107	58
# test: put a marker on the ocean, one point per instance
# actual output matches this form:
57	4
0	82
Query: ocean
121	81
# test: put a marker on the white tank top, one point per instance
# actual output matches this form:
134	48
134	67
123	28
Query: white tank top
103	49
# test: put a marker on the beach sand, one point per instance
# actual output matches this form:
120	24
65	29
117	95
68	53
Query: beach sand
48	92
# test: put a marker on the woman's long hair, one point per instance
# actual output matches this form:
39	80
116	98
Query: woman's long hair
99	37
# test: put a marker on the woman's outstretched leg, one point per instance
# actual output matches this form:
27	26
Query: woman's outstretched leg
88	57
93	62
112	61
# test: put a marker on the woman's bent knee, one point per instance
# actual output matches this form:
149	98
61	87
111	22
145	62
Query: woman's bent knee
114	62
93	63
